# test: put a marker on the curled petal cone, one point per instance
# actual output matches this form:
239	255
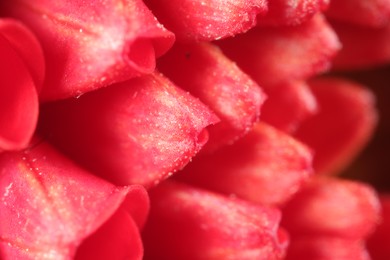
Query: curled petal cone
332	207
136	132
50	205
207	20
294	97
272	56
206	73
266	166
362	47
91	44
343	125
203	225
18	99
373	13
291	12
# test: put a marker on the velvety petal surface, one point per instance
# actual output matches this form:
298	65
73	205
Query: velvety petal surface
189	223
345	121
272	56
291	12
266	166
90	44
206	73
207	20
18	98
139	131
288	105
49	205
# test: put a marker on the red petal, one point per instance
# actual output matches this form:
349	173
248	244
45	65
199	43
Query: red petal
332	207
291	12
27	47
18	99
275	55
206	73
379	243
362	47
343	125
206	20
118	238
327	248
188	223
136	132
266	166
294	97
372	13
90	44
49	205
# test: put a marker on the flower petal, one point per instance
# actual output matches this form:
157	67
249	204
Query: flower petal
207	20
362	47
18	100
321	248
291	12
28	48
136	132
294	97
373	13
333	207
90	44
379	243
206	73
265	166
203	225
49	205
345	122
275	55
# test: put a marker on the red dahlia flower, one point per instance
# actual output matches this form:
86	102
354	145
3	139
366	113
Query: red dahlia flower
222	120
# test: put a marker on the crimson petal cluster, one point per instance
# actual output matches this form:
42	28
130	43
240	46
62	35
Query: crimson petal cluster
195	129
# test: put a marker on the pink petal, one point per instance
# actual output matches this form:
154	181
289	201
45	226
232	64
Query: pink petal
18	99
136	132
189	223
207	20
266	166
206	73
332	207
272	56
294	97
372	13
118	238
327	248
291	12
345	122
27	47
49	205
362	47
90	44
379	243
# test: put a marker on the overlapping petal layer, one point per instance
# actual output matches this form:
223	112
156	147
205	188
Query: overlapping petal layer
139	131
49	206
20	81
94	44
266	166
206	73
207	20
203	225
